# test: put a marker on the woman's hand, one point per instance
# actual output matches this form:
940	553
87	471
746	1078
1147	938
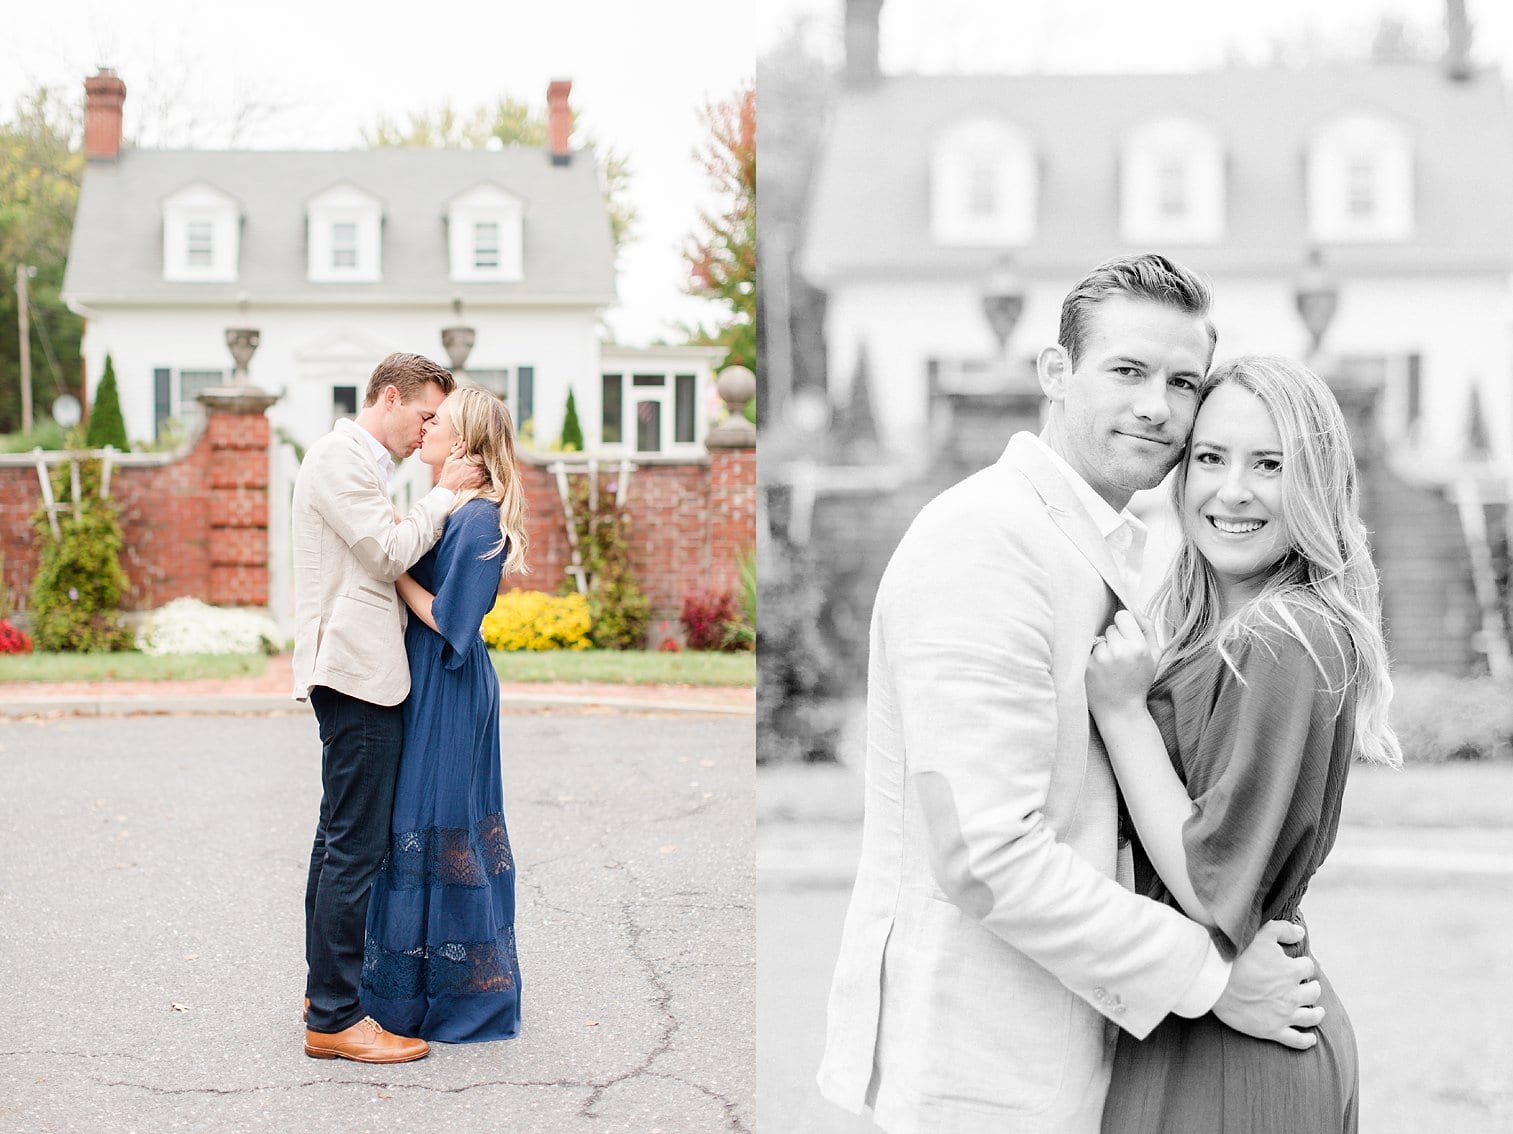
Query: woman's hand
1122	665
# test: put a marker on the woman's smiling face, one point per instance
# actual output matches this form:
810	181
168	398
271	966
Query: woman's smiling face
1232	505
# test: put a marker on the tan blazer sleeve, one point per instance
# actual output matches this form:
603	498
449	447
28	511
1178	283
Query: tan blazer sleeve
349	496
968	626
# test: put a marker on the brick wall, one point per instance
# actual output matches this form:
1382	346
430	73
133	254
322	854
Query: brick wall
690	523
196	522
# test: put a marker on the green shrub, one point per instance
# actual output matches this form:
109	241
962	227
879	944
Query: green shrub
105	424
76	592
45	434
617	607
1439	718
572	432
742	634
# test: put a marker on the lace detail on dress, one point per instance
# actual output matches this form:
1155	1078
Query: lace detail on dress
449	856
453	968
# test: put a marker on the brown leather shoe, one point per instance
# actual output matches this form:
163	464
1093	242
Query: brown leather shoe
305	1015
365	1042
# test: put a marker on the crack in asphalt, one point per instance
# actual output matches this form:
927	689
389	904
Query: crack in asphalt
729	1104
663	1005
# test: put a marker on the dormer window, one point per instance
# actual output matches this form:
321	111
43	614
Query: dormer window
486	246
1172	183
485	235
344	244
201	235
984	186
1360	181
199	244
345	227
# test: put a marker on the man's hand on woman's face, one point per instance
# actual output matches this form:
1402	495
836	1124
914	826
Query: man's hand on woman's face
459	475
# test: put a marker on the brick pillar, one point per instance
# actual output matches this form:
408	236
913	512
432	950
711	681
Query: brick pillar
731	530
238	432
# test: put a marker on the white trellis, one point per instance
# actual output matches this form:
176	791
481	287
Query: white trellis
560	471
50	504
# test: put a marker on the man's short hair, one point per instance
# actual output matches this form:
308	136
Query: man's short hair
409	374
1149	276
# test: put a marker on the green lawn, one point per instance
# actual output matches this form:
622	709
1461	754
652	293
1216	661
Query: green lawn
128	666
628	667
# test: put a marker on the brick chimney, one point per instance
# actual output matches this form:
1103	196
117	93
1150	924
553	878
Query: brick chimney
861	42
559	120
1457	42
103	95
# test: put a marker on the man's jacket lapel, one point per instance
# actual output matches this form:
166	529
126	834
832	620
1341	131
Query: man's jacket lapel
1066	510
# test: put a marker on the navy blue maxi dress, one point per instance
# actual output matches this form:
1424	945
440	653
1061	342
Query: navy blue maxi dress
439	960
1264	754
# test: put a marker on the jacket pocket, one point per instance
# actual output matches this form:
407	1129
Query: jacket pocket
350	641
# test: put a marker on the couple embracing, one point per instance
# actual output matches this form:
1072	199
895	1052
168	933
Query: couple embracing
410	900
1088	831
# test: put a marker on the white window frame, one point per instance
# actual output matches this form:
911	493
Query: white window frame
962	158
214	220
1339	153
331	210
343	245
486	204
486	245
199	243
1169	160
664	396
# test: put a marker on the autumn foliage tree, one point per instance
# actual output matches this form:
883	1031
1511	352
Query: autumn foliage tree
722	254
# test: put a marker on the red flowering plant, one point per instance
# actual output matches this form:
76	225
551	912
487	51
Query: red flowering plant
13	640
705	615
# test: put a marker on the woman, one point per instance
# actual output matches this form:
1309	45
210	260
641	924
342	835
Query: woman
439	960
1232	766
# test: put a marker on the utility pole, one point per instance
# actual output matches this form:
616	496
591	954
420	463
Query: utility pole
23	273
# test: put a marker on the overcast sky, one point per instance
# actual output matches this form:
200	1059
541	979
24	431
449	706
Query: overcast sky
641	73
974	36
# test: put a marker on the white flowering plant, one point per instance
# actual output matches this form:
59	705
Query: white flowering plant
189	626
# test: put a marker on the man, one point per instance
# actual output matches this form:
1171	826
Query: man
349	660
991	933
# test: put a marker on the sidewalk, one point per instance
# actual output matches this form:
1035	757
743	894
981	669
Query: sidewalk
271	693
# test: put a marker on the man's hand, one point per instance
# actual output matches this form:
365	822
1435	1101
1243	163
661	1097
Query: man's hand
459	474
1270	995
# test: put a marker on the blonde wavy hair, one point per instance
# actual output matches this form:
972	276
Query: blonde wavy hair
487	434
1328	567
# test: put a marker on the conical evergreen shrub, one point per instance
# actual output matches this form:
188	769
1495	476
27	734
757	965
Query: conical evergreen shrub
106	426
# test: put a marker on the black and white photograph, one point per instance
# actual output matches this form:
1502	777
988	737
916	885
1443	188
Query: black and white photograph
1135	391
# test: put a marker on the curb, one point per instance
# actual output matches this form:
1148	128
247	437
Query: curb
277	704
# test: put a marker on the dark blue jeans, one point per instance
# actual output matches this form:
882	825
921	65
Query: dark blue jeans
359	763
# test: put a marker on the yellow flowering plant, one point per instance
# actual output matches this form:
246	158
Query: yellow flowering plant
535	620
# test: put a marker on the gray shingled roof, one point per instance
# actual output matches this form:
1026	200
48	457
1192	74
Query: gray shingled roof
869	208
117	249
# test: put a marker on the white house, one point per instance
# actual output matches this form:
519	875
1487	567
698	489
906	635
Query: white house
338	258
1396	174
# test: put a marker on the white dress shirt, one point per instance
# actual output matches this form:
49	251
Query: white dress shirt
1125	536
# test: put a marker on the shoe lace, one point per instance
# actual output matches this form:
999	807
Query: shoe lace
373	1024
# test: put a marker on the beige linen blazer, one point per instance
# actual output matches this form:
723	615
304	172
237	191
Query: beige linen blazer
991	931
349	627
